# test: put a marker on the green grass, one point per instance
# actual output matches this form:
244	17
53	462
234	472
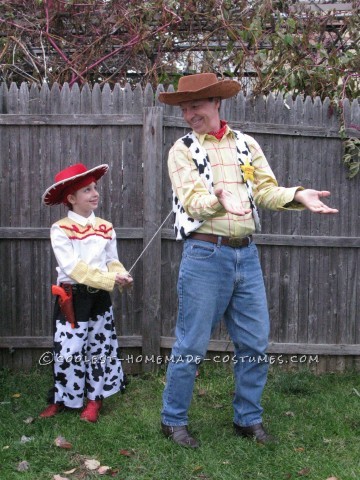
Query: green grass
316	419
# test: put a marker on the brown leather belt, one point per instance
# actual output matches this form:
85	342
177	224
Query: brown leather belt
234	242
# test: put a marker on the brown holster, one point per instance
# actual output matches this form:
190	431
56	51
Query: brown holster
65	302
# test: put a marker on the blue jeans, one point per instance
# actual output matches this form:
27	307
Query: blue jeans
215	282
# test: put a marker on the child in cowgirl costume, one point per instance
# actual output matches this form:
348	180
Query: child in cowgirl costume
85	341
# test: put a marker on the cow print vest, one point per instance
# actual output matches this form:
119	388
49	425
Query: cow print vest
184	224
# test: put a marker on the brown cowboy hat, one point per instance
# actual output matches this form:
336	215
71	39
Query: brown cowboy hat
199	86
76	175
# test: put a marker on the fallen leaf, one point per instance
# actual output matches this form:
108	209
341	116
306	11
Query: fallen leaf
29	420
92	464
16	395
299	449
305	471
69	472
103	470
59	477
6	447
61	442
25	439
218	406
289	414
23	466
126	453
201	392
356	392
332	478
198	468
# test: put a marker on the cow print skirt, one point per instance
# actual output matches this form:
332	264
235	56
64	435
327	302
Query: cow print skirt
86	358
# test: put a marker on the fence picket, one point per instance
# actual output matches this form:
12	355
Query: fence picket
310	263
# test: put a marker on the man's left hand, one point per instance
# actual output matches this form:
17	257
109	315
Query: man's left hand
311	200
230	202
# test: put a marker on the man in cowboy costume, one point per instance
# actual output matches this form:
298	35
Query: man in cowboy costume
219	177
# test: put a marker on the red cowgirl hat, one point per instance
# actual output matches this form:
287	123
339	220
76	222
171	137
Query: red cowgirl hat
71	179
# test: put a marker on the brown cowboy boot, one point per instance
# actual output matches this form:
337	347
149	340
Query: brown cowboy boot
179	435
254	431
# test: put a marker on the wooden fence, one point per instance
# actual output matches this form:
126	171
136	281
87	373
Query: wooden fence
310	262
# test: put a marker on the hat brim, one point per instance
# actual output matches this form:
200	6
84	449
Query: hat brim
54	194
223	89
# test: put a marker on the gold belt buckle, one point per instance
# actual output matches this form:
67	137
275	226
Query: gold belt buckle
235	242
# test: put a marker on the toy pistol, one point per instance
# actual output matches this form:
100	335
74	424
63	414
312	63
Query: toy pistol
65	302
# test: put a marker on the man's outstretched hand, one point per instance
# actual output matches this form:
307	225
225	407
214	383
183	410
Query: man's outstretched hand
311	200
231	203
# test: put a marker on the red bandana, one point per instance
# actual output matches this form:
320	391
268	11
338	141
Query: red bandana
220	133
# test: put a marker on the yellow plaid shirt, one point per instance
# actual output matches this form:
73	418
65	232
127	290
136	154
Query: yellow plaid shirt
200	204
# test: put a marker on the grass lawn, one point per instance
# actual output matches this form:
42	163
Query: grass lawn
315	418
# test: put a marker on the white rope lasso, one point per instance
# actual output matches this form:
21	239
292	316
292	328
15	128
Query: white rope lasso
149	242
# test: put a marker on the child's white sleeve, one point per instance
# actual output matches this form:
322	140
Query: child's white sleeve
63	250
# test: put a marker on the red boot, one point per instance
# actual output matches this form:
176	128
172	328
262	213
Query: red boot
91	411
51	410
